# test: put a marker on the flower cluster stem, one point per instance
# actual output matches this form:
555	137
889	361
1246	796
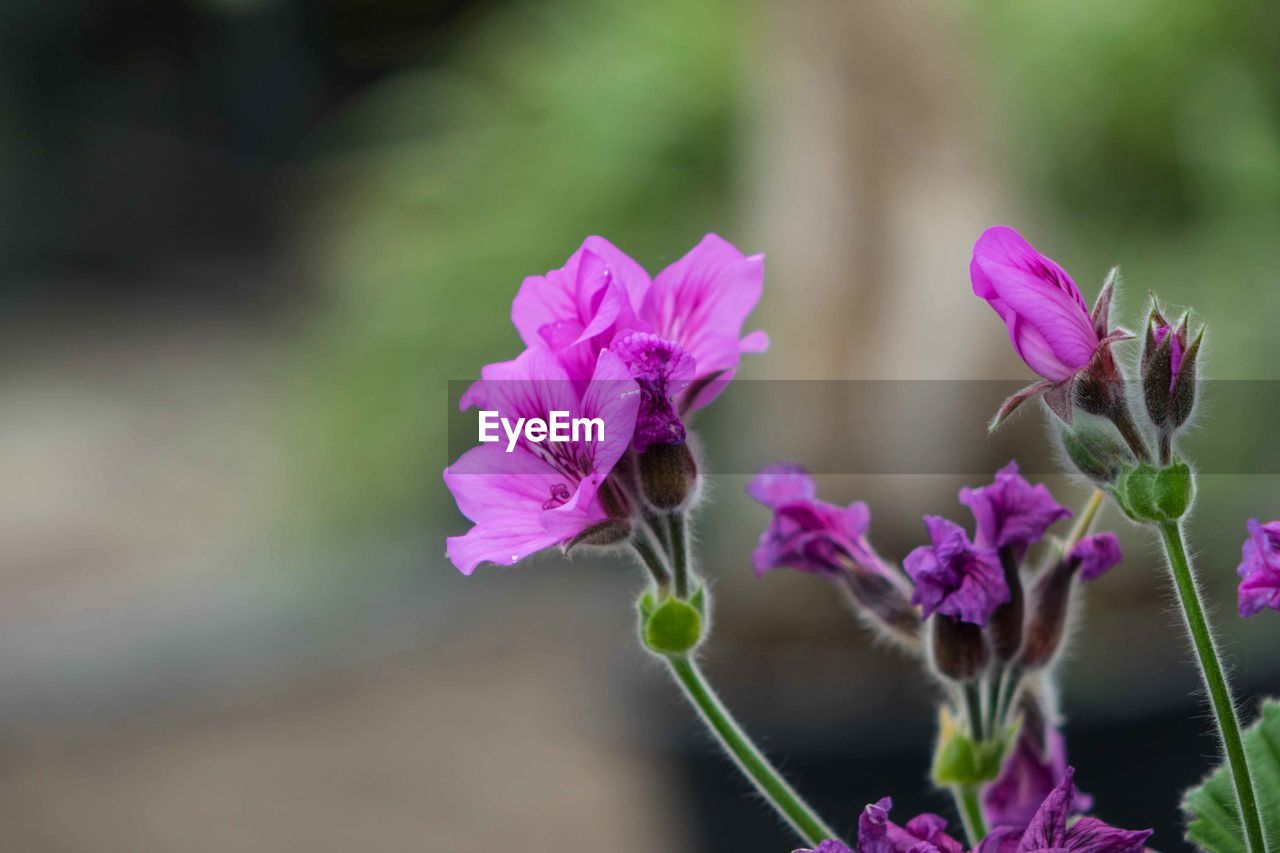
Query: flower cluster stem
652	562
1215	681
749	759
975	828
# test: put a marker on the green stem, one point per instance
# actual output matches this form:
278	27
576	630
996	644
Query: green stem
679	553
744	753
650	560
1215	682
975	828
1084	521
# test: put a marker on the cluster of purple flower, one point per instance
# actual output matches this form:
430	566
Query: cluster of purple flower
985	612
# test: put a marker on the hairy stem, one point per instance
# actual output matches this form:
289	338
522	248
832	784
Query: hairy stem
966	797
679	553
650	560
1215	681
1084	521
750	760
1130	433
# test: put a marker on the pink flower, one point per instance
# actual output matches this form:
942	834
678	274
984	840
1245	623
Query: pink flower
546	493
689	319
1051	327
1260	568
1047	318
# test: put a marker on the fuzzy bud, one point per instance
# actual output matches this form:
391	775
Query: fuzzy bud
1097	451
1046	624
959	649
668	476
1006	622
883	604
1168	369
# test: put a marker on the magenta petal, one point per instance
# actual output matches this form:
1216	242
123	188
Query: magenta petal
1097	554
782	482
704	298
503	494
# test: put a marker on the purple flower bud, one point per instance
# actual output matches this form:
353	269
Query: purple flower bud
1260	568
1168	369
668	475
1051	327
878	834
954	577
1048	320
662	370
824	539
958	650
1051	595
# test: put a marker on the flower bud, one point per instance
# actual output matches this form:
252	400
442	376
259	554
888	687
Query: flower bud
668	475
884	605
1046	624
1096	451
959	649
1006	622
1168	368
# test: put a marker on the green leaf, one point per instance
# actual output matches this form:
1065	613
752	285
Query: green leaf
1213	816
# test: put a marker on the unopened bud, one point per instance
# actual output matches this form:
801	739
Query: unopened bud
1046	624
668	475
883	604
959	649
1006	622
1168	368
1097	451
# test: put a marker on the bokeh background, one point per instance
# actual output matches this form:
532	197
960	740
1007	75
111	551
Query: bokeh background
246	244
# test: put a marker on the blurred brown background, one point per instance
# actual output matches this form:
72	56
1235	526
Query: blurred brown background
245	244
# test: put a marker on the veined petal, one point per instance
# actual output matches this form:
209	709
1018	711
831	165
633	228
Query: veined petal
1057	315
782	482
704	296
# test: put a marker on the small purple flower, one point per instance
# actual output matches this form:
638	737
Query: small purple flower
924	833
1029	775
954	577
1012	513
540	494
1097	554
1049	830
1047	318
806	533
1260	568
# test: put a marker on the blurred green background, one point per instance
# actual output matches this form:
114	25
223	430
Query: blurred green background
246	244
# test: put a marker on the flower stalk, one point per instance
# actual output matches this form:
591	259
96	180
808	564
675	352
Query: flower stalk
1215	680
753	764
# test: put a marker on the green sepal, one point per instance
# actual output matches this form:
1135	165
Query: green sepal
671	626
961	760
1211	807
1173	490
1149	494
